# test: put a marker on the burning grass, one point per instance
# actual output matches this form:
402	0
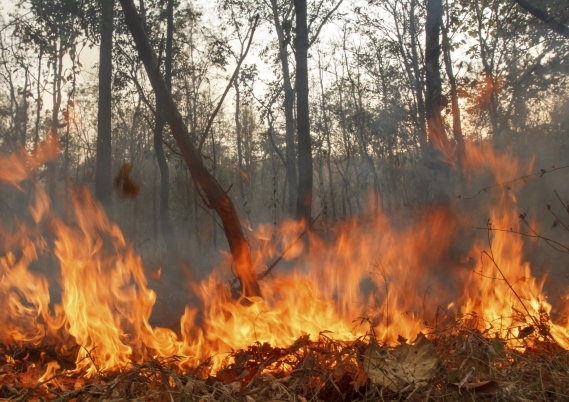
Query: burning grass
492	337
464	364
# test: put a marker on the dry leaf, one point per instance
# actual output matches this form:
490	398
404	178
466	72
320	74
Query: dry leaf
124	183
467	377
360	379
406	364
483	387
525	332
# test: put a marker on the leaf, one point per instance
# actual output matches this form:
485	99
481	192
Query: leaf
497	345
525	332
405	365
360	379
129	187
483	387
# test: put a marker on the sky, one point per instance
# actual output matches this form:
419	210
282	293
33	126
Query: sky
89	55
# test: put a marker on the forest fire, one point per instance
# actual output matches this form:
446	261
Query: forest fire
400	279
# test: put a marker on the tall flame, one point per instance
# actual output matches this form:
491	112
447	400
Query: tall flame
392	276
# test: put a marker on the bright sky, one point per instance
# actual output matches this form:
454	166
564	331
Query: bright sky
89	56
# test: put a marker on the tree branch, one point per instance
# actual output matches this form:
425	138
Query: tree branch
324	21
540	173
229	85
551	22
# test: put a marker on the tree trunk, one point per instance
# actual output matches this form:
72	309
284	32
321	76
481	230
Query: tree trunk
456	124
304	197
56	97
240	177
491	89
290	154
165	226
217	198
437	140
418	85
328	155
103	174
39	96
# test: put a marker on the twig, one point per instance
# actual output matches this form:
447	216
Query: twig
550	242
229	85
262	275
212	216
565	207
491	256
171	149
116	382
540	173
30	391
557	218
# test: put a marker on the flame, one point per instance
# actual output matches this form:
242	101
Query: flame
389	275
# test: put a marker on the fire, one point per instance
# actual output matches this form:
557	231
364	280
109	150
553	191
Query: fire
392	277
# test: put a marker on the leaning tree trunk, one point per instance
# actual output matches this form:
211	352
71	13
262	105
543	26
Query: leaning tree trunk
304	196
217	198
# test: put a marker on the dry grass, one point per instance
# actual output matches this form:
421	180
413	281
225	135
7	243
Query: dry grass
486	368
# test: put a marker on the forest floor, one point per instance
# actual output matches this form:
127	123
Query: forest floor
453	362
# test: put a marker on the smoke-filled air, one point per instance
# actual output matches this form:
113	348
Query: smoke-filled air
331	200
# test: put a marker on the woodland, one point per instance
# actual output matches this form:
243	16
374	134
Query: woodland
220	136
221	117
297	109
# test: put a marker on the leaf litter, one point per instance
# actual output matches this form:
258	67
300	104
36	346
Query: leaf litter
452	363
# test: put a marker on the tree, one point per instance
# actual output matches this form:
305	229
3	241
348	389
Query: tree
217	198
456	122
304	196
165	227
552	23
103	174
438	141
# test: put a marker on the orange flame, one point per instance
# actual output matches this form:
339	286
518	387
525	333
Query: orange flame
392	274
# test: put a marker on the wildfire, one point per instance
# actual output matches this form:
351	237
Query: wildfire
391	278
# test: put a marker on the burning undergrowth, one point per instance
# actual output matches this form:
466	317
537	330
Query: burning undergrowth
457	362
482	317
